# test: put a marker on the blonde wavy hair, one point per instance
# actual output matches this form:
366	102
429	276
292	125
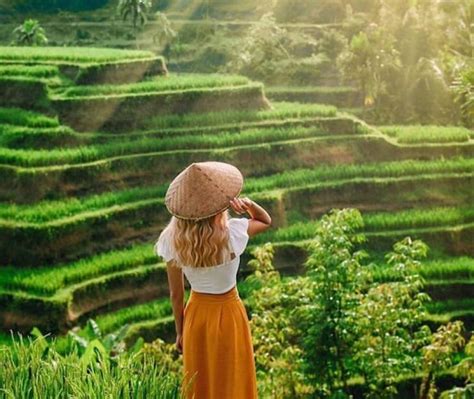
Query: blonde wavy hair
200	243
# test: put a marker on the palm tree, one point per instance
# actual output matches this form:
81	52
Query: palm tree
30	33
136	9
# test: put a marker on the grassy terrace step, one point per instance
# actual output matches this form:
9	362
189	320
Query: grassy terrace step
342	96
120	113
172	82
55	281
49	211
412	134
26	92
89	65
57	298
443	307
48	74
389	224
123	147
449	310
163	326
149	320
73	55
154	319
62	310
35	183
282	115
51	232
154	316
23	118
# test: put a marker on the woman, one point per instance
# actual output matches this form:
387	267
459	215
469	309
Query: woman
203	243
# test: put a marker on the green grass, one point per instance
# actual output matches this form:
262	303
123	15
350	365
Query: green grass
24	137
24	118
379	221
422	217
5	338
280	110
154	310
415	134
47	211
14	125
60	156
46	281
30	371
69	54
448	306
146	311
304	176
155	84
444	318
310	89
33	71
440	268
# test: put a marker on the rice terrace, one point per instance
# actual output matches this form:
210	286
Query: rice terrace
352	123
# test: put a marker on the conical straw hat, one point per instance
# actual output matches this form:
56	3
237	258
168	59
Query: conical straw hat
203	189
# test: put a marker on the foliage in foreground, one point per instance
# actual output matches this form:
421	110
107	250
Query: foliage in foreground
35	369
315	334
464	369
320	333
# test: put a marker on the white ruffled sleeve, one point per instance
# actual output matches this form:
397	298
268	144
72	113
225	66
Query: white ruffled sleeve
163	247
238	234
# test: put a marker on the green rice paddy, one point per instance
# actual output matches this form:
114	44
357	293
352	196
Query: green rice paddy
40	144
79	55
415	134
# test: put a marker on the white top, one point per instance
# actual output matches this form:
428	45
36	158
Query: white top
212	279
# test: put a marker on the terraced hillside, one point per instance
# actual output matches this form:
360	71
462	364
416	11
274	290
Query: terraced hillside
84	170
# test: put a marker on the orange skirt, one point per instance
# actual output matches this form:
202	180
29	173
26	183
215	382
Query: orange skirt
218	356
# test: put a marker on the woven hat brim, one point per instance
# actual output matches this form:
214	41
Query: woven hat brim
203	217
203	189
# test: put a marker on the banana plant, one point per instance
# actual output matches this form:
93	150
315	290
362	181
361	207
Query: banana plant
93	339
30	33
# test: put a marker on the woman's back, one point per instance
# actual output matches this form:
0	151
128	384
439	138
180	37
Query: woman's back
216	279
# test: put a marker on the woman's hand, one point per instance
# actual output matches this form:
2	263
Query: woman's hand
179	343
241	205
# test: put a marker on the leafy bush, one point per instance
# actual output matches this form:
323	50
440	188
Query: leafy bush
320	333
